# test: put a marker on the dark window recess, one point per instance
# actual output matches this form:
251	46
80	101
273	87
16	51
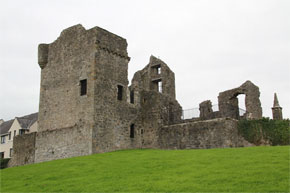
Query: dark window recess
2	155
14	133
21	131
132	131
132	97
2	139
142	131
83	84
120	92
9	135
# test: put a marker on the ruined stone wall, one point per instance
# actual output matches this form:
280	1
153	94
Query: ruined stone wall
215	133
206	111
155	107
229	105
23	150
63	143
156	110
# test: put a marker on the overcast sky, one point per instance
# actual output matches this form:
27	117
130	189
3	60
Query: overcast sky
211	45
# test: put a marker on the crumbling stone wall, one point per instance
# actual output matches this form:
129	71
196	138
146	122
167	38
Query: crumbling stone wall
23	149
205	109
229	105
156	107
156	110
215	133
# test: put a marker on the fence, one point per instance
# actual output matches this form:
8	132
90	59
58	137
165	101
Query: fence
195	113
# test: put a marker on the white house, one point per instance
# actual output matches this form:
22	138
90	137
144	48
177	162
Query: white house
11	128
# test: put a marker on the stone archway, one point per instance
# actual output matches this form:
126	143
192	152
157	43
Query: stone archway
229	105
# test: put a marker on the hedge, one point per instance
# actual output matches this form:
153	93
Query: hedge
265	131
4	163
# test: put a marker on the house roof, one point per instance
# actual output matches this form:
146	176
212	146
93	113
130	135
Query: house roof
5	126
25	122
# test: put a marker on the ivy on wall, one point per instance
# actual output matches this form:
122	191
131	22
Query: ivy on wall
265	131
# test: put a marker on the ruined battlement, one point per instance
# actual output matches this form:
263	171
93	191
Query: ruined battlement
100	39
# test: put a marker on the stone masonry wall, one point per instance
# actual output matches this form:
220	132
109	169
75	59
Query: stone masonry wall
63	143
23	149
112	116
216	133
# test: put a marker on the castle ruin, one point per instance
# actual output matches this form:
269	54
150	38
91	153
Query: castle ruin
87	105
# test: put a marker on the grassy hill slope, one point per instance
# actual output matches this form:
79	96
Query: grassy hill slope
255	169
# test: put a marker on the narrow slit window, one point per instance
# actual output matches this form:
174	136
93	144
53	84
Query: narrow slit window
132	96
132	131
83	84
120	92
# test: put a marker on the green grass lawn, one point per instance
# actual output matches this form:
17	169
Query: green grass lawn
254	169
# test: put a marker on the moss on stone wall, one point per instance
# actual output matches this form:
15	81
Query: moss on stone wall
265	131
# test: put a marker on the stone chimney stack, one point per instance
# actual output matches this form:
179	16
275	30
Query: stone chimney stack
276	109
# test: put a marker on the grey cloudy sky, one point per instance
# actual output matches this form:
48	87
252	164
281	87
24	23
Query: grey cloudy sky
211	45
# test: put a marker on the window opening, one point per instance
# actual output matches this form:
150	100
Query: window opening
9	135
132	97
120	92
2	139
83	84
14	133
132	131
21	131
242	104
160	86
159	70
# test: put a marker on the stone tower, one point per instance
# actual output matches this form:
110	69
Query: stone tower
83	94
276	109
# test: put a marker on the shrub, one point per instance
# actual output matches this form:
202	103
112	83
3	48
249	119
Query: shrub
4	163
265	130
